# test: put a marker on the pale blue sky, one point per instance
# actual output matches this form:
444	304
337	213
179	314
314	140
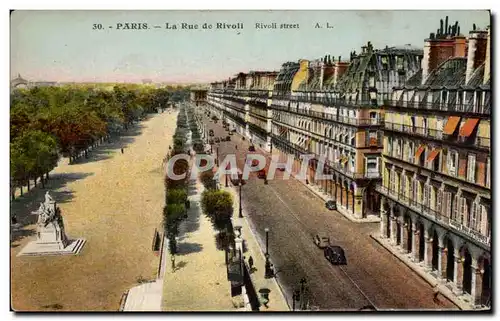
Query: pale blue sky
61	45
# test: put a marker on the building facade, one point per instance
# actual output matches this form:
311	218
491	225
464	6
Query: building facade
404	134
436	164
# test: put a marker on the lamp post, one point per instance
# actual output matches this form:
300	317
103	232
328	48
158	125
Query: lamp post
268	273
241	211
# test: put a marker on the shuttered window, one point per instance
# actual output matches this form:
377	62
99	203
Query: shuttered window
456	205
439	201
471	168
474	216
463	210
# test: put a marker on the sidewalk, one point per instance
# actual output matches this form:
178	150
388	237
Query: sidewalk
199	282
277	301
419	269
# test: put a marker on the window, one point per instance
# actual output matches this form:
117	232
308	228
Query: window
389	145
452	162
447	198
373	117
439	201
479	98
488	172
471	168
456	205
421	192
463	210
403	185
411	152
427	195
392	181
415	190
372	138
371	166
474	216
352	137
398	147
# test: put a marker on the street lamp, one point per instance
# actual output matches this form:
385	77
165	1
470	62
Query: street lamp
241	211
268	272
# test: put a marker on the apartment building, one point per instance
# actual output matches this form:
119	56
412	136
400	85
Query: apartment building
436	163
244	102
331	109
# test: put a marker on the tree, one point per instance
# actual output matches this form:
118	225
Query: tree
33	154
218	206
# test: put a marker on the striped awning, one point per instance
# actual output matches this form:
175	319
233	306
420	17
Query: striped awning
419	152
433	154
451	125
468	127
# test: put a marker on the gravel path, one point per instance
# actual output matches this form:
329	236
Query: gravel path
113	200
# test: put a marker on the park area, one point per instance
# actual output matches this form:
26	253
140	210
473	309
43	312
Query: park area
115	201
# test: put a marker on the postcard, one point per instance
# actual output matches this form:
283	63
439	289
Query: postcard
250	161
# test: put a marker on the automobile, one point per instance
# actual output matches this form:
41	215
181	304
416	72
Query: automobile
228	138
335	255
321	240
211	141
211	132
261	173
231	133
217	140
331	205
251	148
255	162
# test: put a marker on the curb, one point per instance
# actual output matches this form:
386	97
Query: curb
352	219
259	242
456	301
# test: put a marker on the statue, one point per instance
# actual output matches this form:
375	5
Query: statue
51	237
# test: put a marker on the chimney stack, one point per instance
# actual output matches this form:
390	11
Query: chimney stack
438	49
487	62
476	54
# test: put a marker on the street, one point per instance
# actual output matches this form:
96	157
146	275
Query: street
372	276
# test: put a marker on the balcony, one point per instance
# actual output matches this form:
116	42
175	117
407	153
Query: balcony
478	141
462	108
431	214
332	117
413	130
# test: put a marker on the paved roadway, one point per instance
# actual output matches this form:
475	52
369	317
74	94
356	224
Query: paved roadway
294	214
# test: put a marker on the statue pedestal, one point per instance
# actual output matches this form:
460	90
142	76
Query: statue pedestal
51	238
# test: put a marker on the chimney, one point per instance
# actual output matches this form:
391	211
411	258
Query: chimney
339	69
438	48
476	52
321	75
460	48
487	62
436	51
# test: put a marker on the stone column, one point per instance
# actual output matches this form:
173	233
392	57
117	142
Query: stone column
383	219
442	262
476	284
458	277
404	237
428	252
416	244
394	227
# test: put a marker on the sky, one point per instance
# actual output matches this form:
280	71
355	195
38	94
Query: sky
64	46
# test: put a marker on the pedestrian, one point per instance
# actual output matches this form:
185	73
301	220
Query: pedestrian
250	262
172	258
122	150
436	293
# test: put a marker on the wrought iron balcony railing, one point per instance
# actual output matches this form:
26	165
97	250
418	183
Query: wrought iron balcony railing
333	117
430	213
463	108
